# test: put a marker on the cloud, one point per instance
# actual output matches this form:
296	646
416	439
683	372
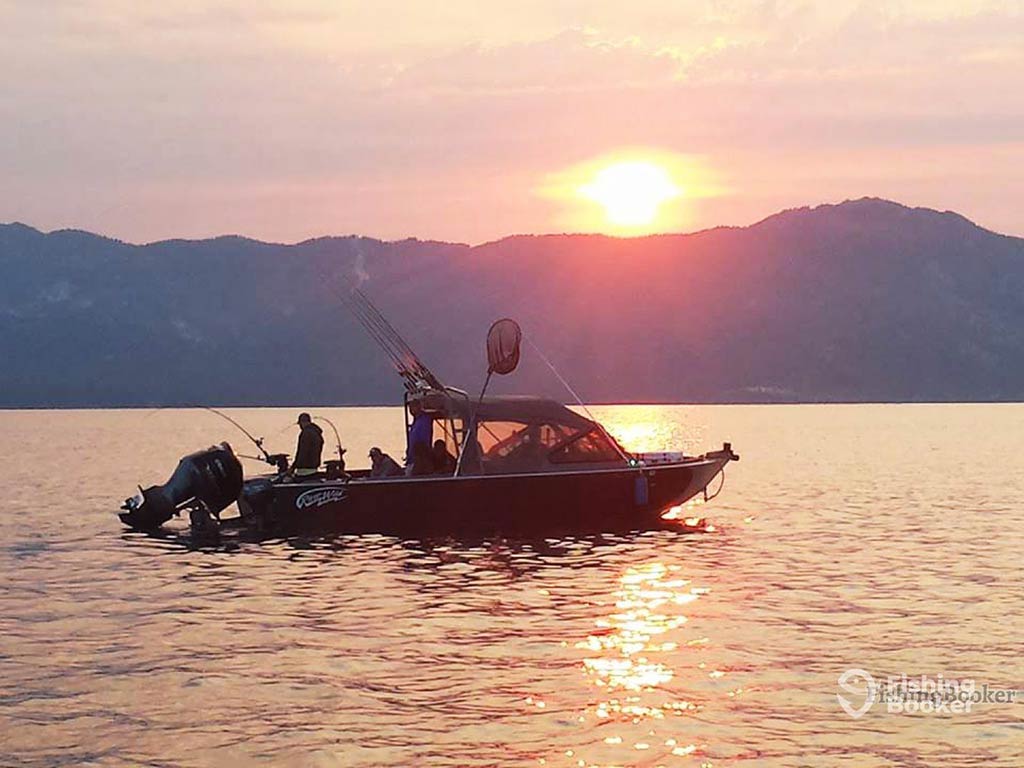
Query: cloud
284	119
574	60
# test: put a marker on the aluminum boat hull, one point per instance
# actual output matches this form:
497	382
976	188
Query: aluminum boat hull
580	501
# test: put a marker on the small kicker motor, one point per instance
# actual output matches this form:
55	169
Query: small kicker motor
205	483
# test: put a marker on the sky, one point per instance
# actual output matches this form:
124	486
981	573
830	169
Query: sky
467	120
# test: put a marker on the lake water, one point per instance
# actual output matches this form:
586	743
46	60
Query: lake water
885	538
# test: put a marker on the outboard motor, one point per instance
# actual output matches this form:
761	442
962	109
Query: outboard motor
206	482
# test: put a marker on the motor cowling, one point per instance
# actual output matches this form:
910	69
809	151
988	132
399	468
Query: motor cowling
211	479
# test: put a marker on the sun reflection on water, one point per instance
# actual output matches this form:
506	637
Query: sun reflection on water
629	662
628	641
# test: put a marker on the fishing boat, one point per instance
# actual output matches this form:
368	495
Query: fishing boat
524	466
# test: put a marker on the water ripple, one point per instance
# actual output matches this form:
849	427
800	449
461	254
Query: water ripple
847	536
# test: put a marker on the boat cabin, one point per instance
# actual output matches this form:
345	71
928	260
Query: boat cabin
515	434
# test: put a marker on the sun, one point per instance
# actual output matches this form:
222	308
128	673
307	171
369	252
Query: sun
631	192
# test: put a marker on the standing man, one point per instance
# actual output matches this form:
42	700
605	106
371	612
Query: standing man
309	448
421	433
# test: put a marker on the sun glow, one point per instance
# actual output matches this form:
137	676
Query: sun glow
631	193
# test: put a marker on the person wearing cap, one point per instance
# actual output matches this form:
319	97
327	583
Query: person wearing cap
309	448
383	465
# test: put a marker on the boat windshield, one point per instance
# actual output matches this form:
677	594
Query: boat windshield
511	446
516	434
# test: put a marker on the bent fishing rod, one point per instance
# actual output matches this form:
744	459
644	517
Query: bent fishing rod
337	437
257	441
274	459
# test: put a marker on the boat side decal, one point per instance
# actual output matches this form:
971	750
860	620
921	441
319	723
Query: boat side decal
650	471
317	497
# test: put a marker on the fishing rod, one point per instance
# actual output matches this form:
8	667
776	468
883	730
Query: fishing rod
337	437
410	368
258	442
251	458
274	459
402	357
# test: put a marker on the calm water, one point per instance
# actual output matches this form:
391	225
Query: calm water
882	537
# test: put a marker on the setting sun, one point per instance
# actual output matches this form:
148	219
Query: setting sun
631	192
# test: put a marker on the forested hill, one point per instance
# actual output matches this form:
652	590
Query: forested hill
866	300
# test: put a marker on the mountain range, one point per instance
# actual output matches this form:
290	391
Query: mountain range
867	300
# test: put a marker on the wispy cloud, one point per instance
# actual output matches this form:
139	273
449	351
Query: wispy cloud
288	119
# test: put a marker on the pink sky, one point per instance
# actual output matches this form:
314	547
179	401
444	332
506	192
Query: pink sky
288	120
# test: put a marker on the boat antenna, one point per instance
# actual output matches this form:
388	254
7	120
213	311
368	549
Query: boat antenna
337	437
579	400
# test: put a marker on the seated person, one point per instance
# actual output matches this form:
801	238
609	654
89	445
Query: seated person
383	465
444	462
